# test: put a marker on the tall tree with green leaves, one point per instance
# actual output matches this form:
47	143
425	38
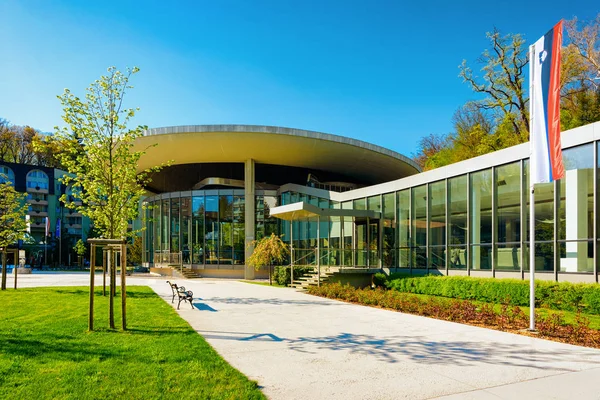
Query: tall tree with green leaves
503	82
97	152
13	226
268	251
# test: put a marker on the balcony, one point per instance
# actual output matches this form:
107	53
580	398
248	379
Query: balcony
34	213
37	201
36	189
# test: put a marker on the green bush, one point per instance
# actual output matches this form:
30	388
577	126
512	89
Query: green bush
566	296
380	280
281	274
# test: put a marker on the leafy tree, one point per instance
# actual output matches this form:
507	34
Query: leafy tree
430	146
580	74
585	42
134	251
80	249
502	83
268	251
97	153
13	226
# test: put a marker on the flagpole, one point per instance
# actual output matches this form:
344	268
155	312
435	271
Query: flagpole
531	197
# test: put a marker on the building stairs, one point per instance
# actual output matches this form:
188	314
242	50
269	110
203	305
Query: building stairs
187	273
312	278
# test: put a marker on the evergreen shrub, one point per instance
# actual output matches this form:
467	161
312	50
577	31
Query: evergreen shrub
584	297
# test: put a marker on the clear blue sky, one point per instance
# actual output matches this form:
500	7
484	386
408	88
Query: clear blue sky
381	71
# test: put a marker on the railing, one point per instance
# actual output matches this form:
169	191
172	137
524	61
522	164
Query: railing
165	257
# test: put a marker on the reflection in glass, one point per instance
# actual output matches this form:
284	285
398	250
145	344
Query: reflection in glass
576	209
389	229
198	248
211	229
403	212
508	216
419	226
481	218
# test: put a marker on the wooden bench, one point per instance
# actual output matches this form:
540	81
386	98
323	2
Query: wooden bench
182	294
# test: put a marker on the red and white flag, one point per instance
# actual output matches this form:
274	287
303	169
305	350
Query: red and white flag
546	164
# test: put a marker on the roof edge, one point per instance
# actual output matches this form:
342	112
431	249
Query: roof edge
281	131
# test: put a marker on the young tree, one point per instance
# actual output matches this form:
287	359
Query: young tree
80	250
97	151
268	251
134	251
13	226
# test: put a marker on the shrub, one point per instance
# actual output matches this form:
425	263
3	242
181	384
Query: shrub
380	280
551	325
558	296
281	274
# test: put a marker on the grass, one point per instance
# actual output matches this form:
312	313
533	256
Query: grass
47	353
275	284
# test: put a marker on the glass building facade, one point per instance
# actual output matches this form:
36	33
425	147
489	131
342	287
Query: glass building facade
470	218
207	227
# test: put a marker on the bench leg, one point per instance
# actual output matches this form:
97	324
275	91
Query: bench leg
179	303
190	300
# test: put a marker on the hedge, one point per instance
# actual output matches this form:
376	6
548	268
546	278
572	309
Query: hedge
566	296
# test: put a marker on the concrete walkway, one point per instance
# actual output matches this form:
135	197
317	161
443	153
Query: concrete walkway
303	347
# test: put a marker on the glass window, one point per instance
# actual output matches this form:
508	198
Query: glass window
225	229
389	230
198	248
508	216
437	224
360	204
186	225
211	229
481	219
437	220
156	225
164	212
239	234
403	212
419	226
576	210
37	179
271	223
457	193
174	225
7	174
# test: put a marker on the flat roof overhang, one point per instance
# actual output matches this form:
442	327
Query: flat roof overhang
302	210
272	145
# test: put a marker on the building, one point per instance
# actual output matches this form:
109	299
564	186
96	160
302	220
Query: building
44	189
353	206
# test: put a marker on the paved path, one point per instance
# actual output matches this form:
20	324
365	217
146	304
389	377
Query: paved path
303	347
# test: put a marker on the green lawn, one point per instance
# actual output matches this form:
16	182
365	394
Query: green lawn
46	353
263	283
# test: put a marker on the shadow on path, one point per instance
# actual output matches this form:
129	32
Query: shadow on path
271	301
393	349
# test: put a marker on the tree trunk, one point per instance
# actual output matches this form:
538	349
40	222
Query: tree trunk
111	295
270	282
3	269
